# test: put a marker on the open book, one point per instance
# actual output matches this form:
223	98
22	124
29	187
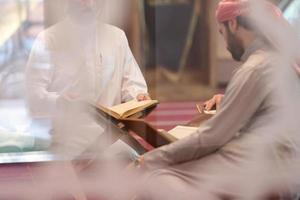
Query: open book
128	109
180	132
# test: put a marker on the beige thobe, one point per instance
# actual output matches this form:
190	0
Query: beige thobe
243	150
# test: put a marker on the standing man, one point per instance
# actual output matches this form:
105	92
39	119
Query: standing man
241	152
81	59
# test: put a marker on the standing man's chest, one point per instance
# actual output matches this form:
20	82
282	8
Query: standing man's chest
73	57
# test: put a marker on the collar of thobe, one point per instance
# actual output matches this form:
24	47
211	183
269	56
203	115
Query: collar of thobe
254	46
81	26
84	31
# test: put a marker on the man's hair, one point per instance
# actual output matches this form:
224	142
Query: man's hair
248	24
243	22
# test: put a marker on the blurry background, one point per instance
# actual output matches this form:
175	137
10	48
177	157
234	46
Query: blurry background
176	43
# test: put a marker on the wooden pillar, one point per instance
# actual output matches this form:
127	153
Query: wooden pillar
212	34
135	33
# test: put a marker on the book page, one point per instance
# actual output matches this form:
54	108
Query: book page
108	111
180	132
131	105
210	112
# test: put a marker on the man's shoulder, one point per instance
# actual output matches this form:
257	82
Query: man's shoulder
52	31
258	65
113	32
112	29
255	60
259	61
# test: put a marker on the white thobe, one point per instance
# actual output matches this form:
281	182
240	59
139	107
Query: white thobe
91	62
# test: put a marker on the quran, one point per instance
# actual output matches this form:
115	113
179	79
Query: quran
128	109
180	132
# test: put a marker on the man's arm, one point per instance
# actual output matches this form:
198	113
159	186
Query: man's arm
39	74
242	99
133	84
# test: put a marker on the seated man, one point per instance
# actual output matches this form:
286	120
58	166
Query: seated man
81	59
241	152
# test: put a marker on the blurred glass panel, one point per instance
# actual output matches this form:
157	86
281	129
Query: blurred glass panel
292	14
21	21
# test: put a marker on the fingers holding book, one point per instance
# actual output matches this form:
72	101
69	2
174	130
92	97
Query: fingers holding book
215	102
143	97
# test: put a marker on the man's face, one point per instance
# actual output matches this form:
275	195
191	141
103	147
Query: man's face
85	6
233	43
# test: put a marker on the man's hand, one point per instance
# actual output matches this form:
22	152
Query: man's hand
215	101
143	97
137	164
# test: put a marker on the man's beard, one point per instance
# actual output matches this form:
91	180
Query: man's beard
81	11
235	46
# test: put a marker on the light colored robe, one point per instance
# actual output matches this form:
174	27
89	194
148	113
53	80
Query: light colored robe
86	61
92	61
243	151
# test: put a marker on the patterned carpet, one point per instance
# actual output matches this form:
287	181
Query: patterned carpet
168	115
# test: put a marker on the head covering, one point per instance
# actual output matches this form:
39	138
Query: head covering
230	9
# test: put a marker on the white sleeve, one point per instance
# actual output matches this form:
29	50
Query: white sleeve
133	82
39	74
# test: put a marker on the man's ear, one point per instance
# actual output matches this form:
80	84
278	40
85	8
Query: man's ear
233	25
